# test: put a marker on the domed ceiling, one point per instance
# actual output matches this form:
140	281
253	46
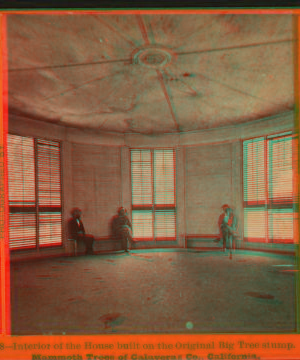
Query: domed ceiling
150	73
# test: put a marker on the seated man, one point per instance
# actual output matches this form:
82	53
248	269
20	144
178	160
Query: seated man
77	231
228	228
121	228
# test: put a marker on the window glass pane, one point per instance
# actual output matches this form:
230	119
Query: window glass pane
165	225
50	229
21	171
49	187
281	225
142	224
22	230
141	177
255	224
164	177
280	170
254	171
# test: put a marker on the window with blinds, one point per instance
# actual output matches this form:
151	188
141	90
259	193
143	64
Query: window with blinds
153	194
34	191
269	196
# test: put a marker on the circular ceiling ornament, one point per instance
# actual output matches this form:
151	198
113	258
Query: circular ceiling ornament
154	57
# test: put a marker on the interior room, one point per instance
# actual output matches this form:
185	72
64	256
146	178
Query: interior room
169	117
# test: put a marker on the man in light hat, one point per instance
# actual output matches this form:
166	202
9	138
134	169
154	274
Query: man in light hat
228	228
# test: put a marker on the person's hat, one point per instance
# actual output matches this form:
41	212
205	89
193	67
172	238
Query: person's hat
225	206
75	210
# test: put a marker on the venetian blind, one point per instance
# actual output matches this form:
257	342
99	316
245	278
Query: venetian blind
269	192
21	192
254	190
164	194
153	194
141	177
281	199
34	184
49	192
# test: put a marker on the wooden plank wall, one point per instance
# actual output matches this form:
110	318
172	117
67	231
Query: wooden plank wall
208	186
96	185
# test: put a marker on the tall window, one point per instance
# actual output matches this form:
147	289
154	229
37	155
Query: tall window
34	191
269	197
153	194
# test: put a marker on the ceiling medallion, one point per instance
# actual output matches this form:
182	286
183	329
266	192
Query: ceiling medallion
154	57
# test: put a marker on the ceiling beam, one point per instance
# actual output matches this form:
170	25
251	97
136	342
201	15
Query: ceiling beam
143	29
70	65
163	85
239	47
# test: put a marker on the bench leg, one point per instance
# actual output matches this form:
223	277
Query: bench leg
75	247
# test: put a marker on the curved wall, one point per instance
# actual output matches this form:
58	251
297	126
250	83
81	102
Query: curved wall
277	123
208	173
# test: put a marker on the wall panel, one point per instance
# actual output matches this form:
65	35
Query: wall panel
96	183
208	186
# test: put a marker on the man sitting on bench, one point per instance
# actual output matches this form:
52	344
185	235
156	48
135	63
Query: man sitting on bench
77	231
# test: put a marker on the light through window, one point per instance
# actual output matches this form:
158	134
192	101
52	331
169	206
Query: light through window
153	194
270	204
34	191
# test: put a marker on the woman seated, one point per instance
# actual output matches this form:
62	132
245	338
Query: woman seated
122	229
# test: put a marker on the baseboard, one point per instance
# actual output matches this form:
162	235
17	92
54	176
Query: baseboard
206	242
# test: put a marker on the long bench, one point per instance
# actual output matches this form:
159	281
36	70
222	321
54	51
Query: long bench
102	244
204	242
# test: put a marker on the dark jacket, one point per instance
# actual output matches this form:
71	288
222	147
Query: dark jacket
75	229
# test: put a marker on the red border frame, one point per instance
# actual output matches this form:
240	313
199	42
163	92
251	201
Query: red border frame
266	352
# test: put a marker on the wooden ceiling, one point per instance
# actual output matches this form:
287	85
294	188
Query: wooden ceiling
150	73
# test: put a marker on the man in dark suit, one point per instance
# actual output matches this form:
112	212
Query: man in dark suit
77	231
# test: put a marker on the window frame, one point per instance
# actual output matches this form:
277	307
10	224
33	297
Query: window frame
36	208
267	202
154	208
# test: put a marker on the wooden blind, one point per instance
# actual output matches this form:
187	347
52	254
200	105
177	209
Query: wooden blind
254	172
21	171
21	192
165	225
141	177
142	224
254	190
22	230
164	177
269	198
281	197
49	184
49	192
153	194
280	169
34	186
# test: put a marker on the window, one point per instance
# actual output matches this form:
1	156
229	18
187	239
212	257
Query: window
269	199
34	191
153	194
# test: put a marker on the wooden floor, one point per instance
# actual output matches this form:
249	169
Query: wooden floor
154	292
